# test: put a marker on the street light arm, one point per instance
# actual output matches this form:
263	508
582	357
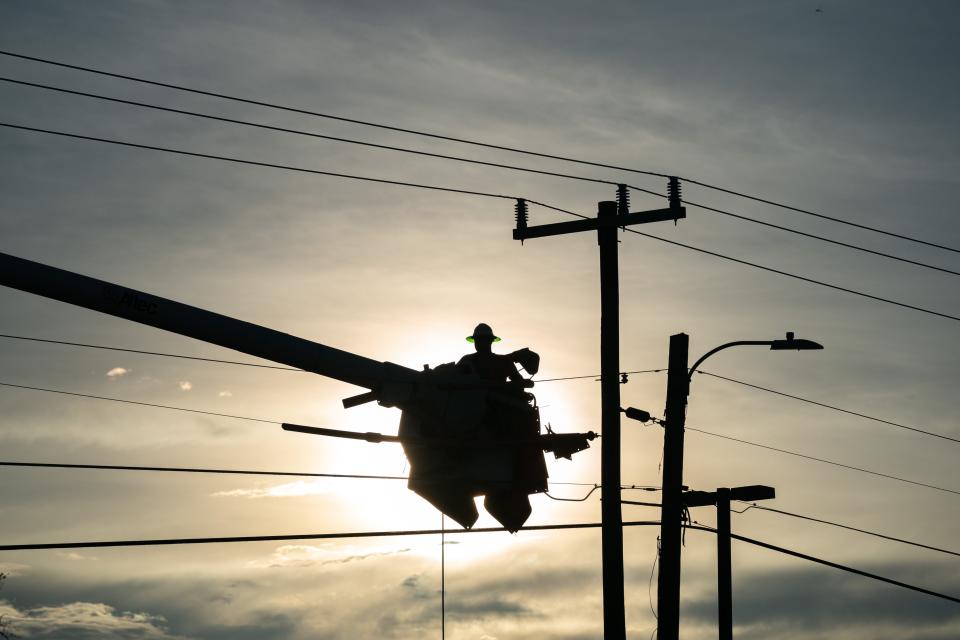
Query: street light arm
738	343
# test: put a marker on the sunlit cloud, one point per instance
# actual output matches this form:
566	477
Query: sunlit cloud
185	385
225	394
303	555
84	620
117	372
288	490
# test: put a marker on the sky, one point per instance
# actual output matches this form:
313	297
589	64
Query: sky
850	111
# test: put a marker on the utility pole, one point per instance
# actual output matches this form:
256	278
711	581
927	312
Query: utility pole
668	584
722	497
610	216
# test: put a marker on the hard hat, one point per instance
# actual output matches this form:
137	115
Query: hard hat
483	330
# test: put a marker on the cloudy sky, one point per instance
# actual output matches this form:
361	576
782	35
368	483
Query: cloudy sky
850	111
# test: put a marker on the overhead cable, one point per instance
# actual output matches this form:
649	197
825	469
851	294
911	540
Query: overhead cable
150	353
135	402
883	536
825	461
828	563
475	161
473	193
224	415
306	536
433	532
594	376
477	143
256	163
246	472
847	245
833	408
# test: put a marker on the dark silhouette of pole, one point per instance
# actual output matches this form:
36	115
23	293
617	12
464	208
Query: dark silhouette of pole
724	571
668	584
610	216
614	618
722	497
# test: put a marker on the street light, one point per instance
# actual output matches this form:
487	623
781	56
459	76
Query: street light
678	387
788	344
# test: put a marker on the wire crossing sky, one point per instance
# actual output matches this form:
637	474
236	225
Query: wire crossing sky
259	178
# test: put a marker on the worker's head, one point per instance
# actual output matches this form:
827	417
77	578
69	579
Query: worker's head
482	338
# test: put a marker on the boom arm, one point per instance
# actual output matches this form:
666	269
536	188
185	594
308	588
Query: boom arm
391	380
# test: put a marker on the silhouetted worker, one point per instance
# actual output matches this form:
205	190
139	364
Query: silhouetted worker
495	367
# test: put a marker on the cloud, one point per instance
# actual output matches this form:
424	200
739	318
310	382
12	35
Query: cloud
185	385
225	394
84	621
294	489
117	372
303	555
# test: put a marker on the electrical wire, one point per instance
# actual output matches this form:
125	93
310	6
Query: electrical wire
803	556
247	472
305	536
797	277
589	493
753	505
225	415
825	461
310	134
474	161
256	163
594	376
827	406
466	141
382	534
812	236
473	193
135	402
149	353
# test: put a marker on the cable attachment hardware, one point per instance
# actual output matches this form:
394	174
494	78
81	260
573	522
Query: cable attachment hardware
521	214
673	192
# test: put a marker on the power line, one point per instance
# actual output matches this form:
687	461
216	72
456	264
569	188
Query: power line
812	236
310	134
149	353
466	192
825	461
828	406
271	165
135	402
306	536
828	563
847	527
419	532
592	376
798	277
474	161
224	415
754	505
247	472
477	143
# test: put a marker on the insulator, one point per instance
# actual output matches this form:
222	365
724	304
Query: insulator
623	199
623	378
521	209
673	192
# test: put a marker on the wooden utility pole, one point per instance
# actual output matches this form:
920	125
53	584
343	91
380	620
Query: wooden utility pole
610	216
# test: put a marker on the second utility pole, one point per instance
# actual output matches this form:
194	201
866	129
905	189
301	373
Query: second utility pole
610	216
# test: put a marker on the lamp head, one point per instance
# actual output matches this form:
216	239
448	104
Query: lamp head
799	344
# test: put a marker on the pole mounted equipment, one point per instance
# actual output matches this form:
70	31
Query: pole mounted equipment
611	215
